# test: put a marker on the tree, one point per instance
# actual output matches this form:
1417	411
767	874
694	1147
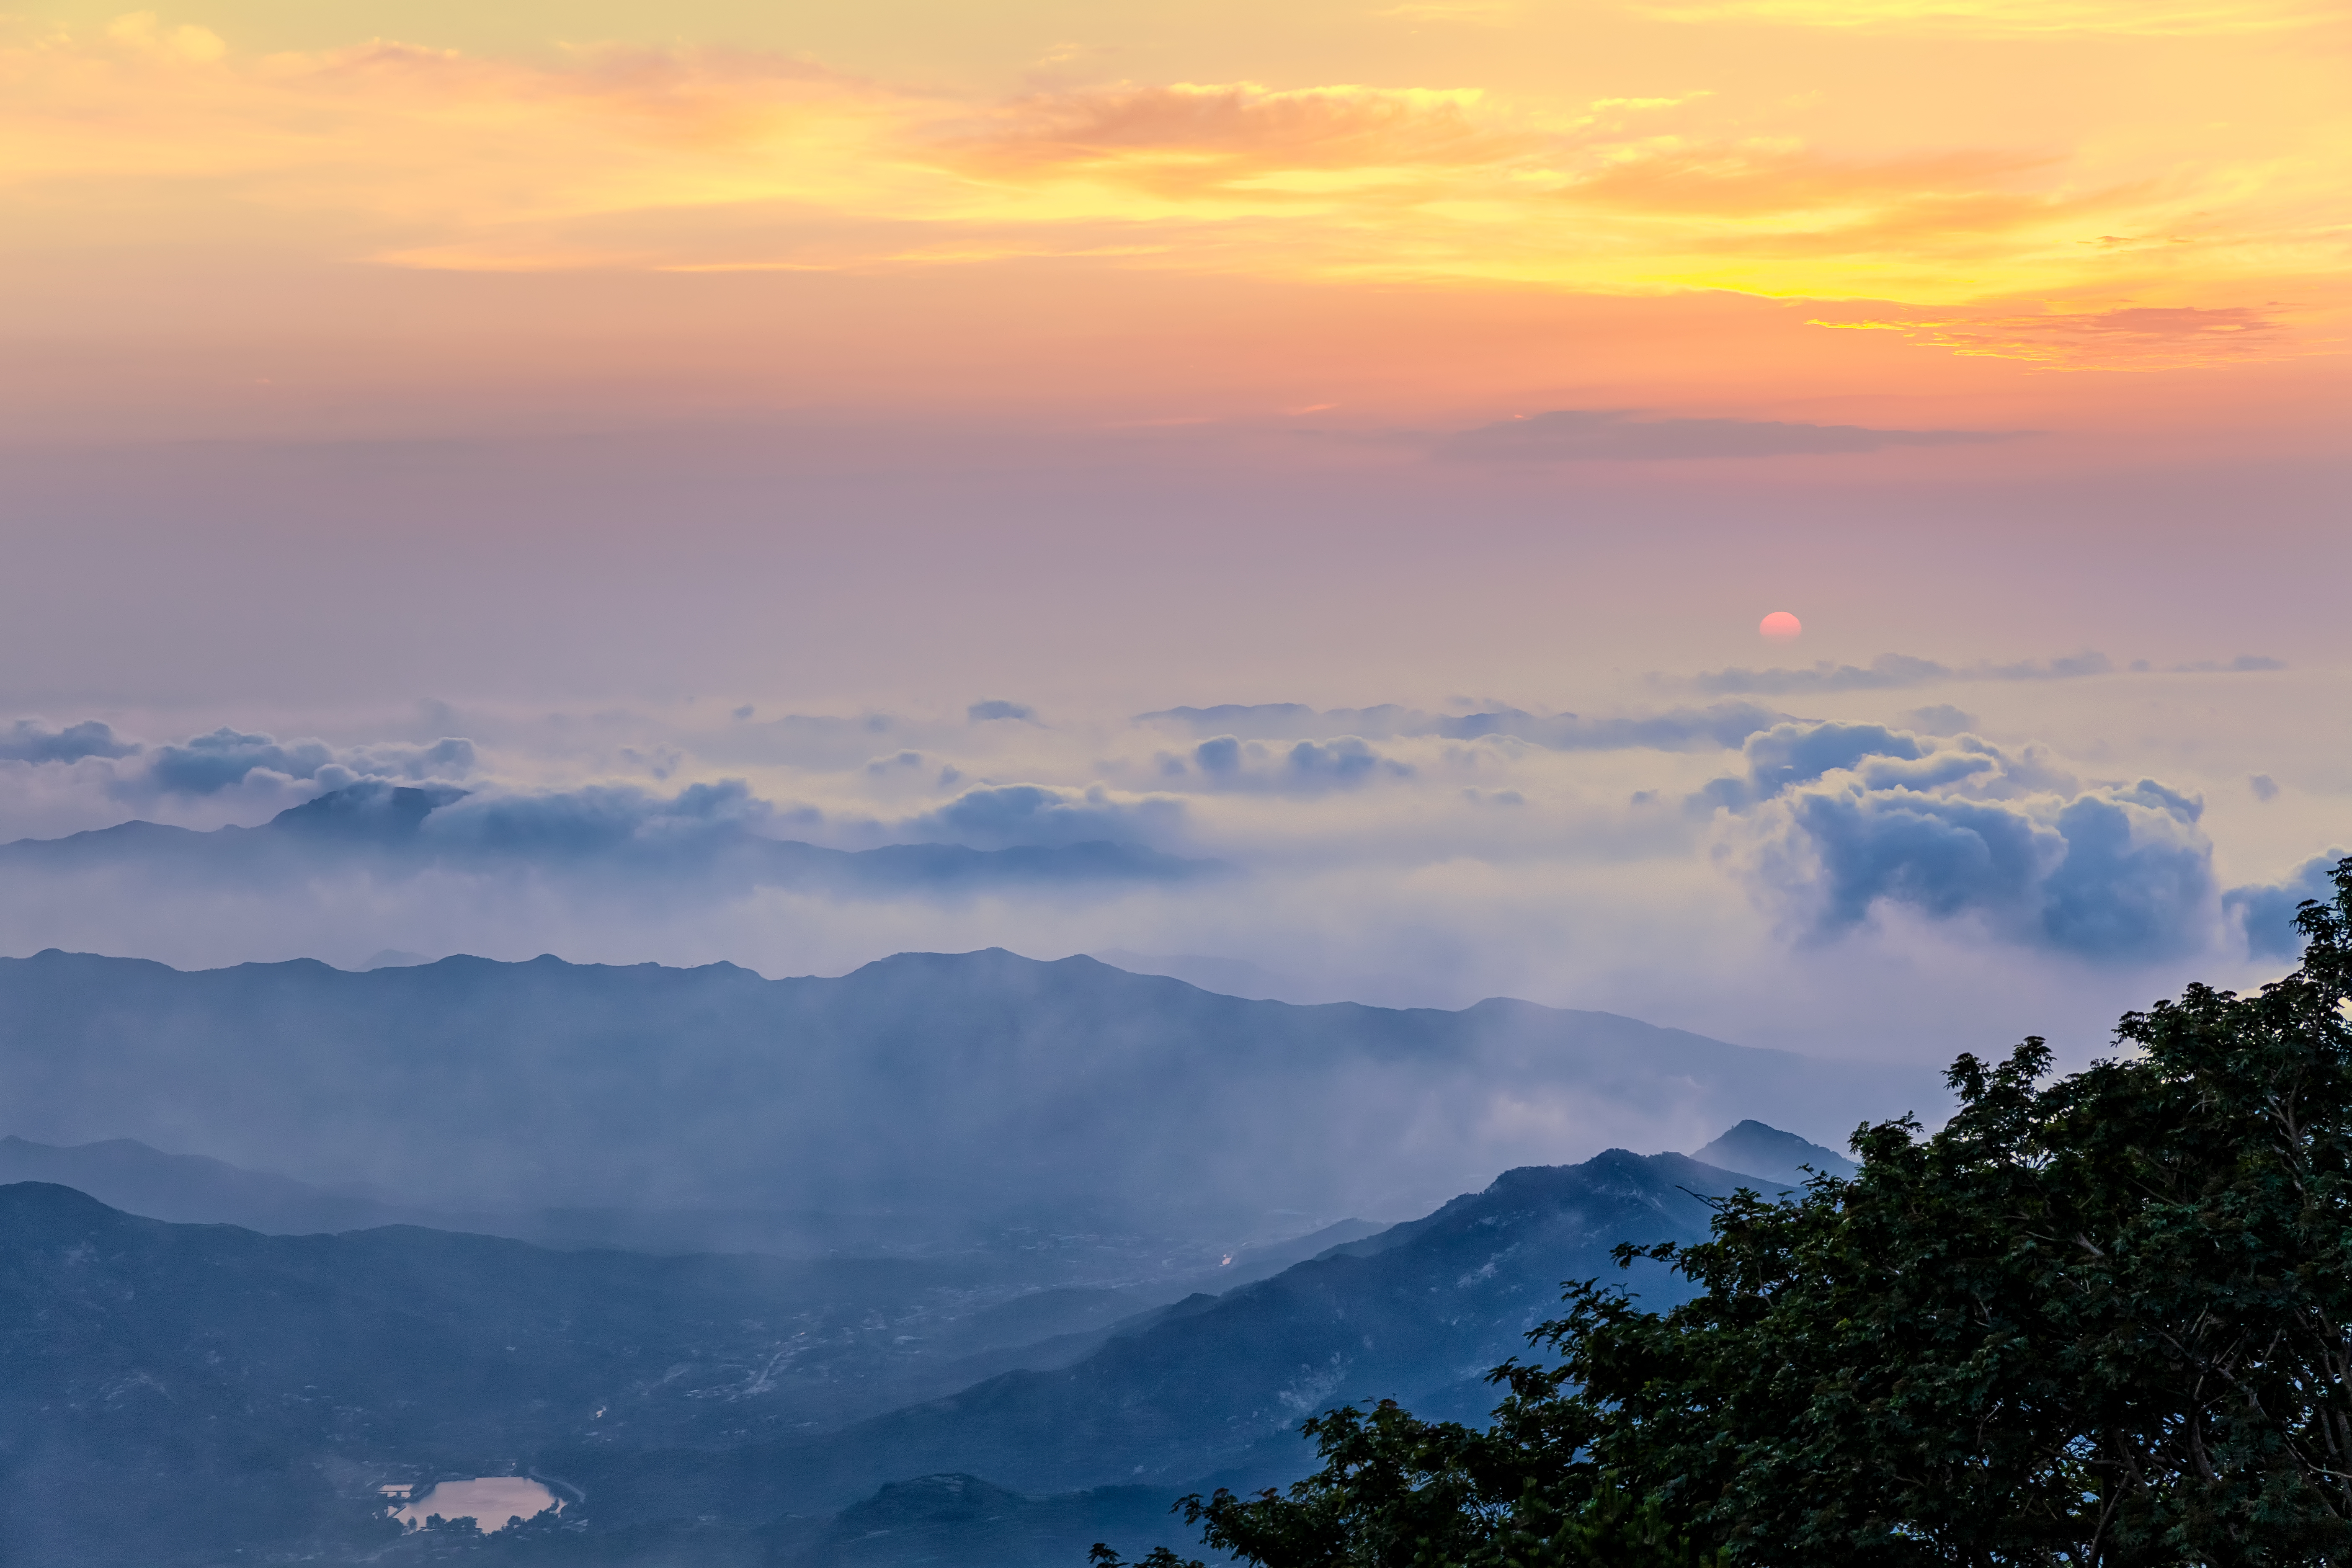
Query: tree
2100	1320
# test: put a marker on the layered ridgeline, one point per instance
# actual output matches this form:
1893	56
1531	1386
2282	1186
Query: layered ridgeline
704	840
924	1101
173	1393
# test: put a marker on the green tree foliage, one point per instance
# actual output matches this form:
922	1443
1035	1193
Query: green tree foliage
2105	1319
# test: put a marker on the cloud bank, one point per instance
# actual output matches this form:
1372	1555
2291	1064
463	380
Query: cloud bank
1718	725
206	764
1895	671
1837	821
1617	434
2266	911
1828	868
30	740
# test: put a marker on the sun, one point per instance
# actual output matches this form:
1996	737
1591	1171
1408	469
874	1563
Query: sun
1781	626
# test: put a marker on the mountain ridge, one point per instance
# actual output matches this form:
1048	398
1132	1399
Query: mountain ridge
388	828
974	1089
177	1366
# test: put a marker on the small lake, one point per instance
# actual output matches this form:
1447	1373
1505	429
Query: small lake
488	1501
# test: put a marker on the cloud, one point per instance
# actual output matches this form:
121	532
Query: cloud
2244	664
1507	862
634	159
1338	763
1220	756
1186	138
1721	724
206	764
1941	719
1577	435
1305	768
599	820
2265	787
996	707
1893	670
999	816
1791	754
30	740
2266	912
706	844
1761	178
1851	816
804	740
2137	337
2010	18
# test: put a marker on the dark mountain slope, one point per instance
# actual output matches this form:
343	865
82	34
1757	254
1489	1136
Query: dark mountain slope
171	1393
256	1386
1217	1385
966	1522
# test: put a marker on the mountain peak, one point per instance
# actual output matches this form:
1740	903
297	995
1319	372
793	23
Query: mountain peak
1754	1149
369	809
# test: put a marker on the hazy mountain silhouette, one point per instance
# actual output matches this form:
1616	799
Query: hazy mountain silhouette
950	1095
1764	1151
190	1189
385	829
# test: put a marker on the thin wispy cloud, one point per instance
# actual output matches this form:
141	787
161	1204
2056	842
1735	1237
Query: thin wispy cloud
1573	434
2010	19
1894	671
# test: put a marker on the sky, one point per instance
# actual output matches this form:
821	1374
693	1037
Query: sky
929	423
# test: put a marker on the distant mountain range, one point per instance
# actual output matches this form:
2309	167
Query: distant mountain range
388	830
193	1189
958	1258
175	1393
925	1100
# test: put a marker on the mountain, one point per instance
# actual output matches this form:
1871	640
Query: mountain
126	1175
175	1393
1213	1388
399	830
168	1387
947	1095
969	1523
1226	976
1768	1152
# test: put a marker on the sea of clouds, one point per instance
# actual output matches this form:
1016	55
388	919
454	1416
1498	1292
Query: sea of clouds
1837	859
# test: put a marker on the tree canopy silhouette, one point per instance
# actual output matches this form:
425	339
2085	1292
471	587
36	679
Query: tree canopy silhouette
2099	1320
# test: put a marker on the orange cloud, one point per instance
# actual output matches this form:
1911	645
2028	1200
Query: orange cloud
2014	18
1189	137
1747	181
700	160
2131	337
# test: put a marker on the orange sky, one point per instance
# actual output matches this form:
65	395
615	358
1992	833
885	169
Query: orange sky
259	218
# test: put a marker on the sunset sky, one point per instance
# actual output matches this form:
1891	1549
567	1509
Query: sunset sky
571	379
270	220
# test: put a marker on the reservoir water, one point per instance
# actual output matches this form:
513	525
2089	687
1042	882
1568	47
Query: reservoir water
488	1501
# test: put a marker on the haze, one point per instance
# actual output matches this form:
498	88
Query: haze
857	428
